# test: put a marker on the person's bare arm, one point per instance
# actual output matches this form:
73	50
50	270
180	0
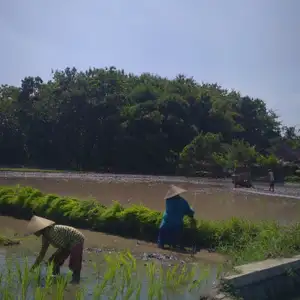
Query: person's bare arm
45	246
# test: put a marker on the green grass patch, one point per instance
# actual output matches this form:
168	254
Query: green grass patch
243	240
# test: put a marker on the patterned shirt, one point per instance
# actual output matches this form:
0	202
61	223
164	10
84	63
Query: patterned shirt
61	237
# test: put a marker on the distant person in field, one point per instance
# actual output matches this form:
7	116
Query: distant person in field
271	180
68	241
171	227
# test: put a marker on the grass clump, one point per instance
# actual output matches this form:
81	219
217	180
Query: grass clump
243	240
117	277
4	241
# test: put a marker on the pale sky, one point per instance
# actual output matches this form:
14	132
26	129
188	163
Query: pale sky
252	46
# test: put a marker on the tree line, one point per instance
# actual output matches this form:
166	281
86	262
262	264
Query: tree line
109	120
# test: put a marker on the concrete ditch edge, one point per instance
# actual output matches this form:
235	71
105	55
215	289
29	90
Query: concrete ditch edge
269	279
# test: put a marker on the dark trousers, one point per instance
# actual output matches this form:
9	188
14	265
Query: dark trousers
75	264
169	236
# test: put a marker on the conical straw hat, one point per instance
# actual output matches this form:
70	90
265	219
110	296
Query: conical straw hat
38	223
174	191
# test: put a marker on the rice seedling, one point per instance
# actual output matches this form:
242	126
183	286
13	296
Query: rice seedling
121	278
8	242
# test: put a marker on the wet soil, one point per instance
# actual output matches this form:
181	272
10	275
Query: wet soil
97	242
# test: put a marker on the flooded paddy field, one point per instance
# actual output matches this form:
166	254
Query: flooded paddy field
211	199
98	246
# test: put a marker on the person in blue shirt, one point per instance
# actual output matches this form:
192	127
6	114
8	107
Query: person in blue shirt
171	227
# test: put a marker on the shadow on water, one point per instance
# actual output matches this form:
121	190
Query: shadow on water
100	267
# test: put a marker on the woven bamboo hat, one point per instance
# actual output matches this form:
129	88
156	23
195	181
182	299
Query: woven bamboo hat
37	224
174	191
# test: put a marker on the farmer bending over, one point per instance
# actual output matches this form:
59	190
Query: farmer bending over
171	227
68	241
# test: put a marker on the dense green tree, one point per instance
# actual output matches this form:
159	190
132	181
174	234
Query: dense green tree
106	119
200	151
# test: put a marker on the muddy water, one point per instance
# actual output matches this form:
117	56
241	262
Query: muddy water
98	244
91	275
212	200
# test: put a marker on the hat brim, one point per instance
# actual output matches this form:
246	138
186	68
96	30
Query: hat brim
174	191
37	224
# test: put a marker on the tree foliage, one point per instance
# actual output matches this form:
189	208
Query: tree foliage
106	119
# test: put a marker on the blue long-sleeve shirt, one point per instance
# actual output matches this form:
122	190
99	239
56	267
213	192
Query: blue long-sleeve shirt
176	209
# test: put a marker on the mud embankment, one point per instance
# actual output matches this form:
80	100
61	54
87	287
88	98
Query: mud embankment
100	243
